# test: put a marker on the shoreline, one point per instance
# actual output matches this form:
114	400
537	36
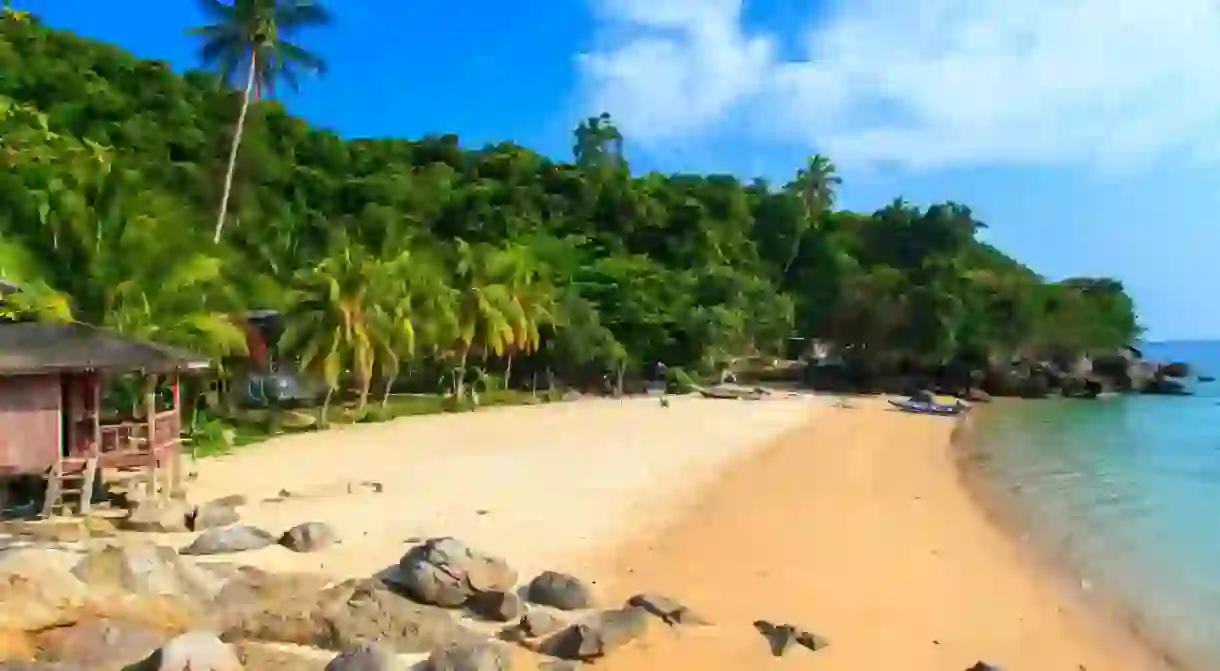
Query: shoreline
1097	607
869	527
893	559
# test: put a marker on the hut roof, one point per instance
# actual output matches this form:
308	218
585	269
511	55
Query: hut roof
33	348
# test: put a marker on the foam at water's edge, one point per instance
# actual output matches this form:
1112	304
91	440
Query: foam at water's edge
1104	611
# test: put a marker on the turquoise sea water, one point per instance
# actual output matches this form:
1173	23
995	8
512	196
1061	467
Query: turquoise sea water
1127	491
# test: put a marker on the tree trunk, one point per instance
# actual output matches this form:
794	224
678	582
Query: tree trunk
459	381
618	383
323	420
241	126
794	253
389	387
508	372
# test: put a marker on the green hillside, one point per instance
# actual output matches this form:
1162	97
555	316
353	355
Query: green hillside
388	252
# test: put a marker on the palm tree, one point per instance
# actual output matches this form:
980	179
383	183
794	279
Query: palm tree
14	14
96	252
486	314
409	302
534	301
251	33
23	295
815	187
328	328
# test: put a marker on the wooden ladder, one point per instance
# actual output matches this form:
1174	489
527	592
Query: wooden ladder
67	477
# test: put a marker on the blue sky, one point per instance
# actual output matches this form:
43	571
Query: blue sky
1087	152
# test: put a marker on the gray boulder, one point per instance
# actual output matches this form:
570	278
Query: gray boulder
533	625
308	537
538	623
212	515
560	590
257	605
370	612
590	640
157	515
446	572
669	611
496	606
228	540
784	637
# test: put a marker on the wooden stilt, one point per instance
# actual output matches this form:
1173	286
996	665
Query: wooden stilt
93	463
176	489
86	490
150	404
55	483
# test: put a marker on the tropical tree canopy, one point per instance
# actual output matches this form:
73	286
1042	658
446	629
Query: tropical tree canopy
392	252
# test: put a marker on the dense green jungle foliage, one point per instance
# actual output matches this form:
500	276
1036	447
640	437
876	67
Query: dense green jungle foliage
425	257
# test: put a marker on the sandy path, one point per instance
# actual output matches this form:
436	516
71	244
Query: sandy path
541	486
858	528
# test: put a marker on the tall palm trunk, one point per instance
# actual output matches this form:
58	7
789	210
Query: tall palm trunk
459	388
389	389
324	411
241	126
798	238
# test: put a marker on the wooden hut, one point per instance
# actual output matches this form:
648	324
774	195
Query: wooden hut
51	411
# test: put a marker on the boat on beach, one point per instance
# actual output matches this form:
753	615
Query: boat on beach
930	408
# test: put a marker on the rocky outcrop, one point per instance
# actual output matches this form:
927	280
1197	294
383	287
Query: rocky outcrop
146	570
143	607
1122	371
1175	369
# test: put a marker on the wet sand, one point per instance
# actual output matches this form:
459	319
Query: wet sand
858	527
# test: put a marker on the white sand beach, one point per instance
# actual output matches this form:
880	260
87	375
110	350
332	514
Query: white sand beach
852	523
544	487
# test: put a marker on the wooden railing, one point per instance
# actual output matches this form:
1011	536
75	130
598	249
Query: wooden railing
130	437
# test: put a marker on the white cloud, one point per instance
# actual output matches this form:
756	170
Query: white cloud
1101	83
